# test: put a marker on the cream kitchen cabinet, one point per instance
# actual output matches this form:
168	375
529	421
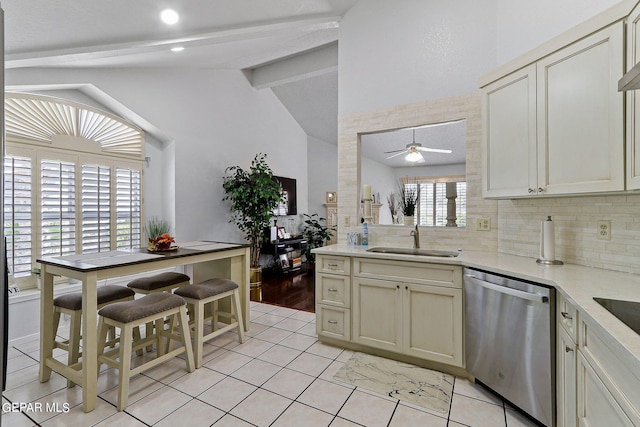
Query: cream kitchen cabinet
557	126
410	308
333	297
633	103
566	368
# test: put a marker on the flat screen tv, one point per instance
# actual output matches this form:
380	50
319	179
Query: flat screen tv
289	205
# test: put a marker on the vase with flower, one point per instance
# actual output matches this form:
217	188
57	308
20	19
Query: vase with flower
158	234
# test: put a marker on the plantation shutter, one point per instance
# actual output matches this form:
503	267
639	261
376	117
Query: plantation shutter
96	208
440	204
461	204
18	214
58	207
128	207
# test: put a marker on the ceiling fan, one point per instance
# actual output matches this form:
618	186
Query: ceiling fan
413	151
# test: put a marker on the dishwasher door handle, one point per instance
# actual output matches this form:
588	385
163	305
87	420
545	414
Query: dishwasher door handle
508	291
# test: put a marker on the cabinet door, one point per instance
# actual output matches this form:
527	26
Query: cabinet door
509	135
433	323
377	308
633	103
580	116
566	380
596	406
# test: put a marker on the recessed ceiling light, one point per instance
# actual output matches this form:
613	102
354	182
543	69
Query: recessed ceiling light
169	16
177	49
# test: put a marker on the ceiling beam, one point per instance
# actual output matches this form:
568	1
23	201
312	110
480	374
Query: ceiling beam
65	56
302	66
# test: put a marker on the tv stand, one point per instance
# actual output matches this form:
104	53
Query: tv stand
292	249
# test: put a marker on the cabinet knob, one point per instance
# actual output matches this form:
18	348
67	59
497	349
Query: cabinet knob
568	349
540	190
531	190
566	315
406	287
397	286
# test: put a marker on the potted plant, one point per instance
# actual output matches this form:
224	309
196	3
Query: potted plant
317	233
158	233
409	196
254	194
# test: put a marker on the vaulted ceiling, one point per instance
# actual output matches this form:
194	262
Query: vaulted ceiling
289	46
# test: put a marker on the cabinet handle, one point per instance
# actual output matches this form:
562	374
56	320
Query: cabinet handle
566	315
568	349
531	190
331	265
333	322
332	290
540	190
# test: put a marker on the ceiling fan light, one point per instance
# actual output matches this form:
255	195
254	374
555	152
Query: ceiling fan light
169	16
414	156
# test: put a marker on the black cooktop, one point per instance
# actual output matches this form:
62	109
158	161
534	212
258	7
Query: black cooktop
627	311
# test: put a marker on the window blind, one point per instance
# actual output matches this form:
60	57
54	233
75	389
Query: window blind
58	207
96	208
18	214
128	208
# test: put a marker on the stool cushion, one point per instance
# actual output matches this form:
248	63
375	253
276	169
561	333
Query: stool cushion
206	289
129	311
105	294
159	281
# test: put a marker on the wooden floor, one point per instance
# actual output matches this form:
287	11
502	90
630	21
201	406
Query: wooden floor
293	290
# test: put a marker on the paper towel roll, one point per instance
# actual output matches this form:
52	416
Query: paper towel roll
547	241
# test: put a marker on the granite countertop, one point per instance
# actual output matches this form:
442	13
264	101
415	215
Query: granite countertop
577	284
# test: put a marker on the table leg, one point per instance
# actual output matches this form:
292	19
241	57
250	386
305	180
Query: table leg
89	342
240	274
46	323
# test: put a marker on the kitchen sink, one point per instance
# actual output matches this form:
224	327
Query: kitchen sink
410	251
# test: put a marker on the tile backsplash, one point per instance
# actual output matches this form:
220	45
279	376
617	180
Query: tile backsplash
575	221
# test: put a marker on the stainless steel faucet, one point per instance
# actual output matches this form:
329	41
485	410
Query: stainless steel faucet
416	237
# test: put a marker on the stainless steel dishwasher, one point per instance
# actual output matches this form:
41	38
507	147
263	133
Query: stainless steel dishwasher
510	340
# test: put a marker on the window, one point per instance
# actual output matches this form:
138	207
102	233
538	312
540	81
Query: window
73	181
433	201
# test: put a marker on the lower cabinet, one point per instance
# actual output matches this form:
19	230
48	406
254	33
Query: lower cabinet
566	379
596	406
414	319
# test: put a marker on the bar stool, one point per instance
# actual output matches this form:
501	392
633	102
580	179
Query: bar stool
197	297
71	304
127	316
162	282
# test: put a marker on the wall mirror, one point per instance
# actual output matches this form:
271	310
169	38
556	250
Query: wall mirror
426	161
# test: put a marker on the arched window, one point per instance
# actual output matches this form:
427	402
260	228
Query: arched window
73	180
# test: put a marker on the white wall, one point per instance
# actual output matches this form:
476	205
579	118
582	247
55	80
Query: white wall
215	119
323	174
383	181
398	52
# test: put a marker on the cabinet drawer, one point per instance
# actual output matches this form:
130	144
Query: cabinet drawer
567	316
333	289
334	265
412	272
334	322
621	381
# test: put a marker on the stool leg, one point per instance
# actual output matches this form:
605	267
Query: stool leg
74	341
56	322
125	366
172	325
198	332
102	339
149	332
137	337
159	330
236	311
186	338
214	316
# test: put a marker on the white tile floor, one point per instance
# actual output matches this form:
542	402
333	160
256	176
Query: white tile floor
281	376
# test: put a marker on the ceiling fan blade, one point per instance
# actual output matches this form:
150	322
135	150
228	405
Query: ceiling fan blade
394	151
395	155
433	150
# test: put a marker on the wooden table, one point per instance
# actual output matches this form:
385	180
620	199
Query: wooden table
204	260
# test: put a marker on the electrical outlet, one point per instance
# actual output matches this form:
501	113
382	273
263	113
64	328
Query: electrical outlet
604	229
483	224
346	221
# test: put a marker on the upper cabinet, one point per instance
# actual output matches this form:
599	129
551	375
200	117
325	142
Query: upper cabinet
556	126
633	103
